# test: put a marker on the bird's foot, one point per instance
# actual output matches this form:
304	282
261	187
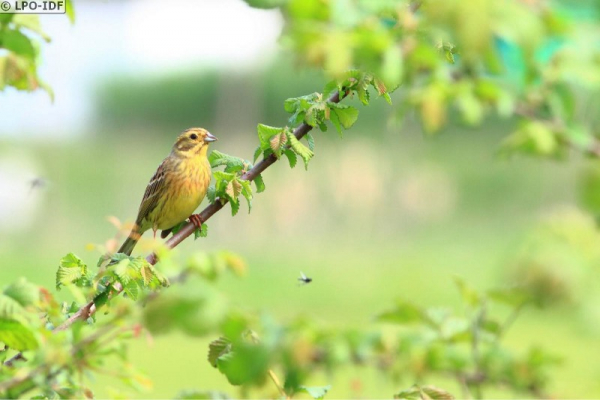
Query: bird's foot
196	219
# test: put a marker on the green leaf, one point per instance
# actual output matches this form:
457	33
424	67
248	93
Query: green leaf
257	153
435	393
150	275
217	159
23	292
71	271
218	348
316	392
330	88
10	308
247	363
266	4
346	114
247	192
18	43
335	120
132	290
6	18
211	194
312	117
470	296
425	392
311	141
512	297
70	11
300	149
223	184
16	335
291	156
122	271
265	133
532	137
403	313
277	142
202	394
202	232
260	184
102	298
31	22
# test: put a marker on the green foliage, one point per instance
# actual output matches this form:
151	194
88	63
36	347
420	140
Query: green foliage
468	347
230	184
16	335
20	61
424	392
316	392
72	271
451	68
539	72
201	232
202	394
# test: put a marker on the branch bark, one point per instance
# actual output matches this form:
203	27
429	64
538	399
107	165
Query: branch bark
90	308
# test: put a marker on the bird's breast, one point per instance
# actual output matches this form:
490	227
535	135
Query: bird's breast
190	181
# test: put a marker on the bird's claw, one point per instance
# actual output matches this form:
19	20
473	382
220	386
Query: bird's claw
196	219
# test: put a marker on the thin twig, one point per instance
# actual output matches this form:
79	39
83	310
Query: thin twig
278	384
477	322
10	362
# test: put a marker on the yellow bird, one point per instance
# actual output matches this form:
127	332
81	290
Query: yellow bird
176	189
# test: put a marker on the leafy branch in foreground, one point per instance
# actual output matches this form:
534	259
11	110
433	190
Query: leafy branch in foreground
470	348
135	275
20	57
234	180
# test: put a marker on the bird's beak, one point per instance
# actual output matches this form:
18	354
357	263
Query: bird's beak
209	137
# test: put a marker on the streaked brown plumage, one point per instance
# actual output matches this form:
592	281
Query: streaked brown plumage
176	189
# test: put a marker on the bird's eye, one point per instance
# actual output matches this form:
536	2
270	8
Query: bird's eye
193	136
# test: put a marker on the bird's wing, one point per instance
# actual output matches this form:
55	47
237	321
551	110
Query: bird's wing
154	191
302	276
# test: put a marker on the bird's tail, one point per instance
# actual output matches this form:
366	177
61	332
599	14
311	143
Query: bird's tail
130	243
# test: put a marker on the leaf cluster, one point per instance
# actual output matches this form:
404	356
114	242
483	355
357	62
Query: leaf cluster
542	72
20	36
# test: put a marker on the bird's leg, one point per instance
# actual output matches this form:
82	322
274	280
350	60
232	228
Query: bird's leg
196	219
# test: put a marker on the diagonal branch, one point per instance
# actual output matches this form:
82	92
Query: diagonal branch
90	308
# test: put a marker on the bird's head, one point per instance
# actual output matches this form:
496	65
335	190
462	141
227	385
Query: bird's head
193	142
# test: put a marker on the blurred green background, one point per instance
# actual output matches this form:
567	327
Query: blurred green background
385	213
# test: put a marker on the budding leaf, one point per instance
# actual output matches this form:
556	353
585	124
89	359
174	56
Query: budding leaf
71	271
23	292
291	156
132	290
247	193
260	184
247	363
316	392
211	194
346	114
257	153
202	232
311	141
300	149
16	335
218	348
265	133
277	142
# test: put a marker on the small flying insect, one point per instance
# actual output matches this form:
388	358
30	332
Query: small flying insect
37	183
304	279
